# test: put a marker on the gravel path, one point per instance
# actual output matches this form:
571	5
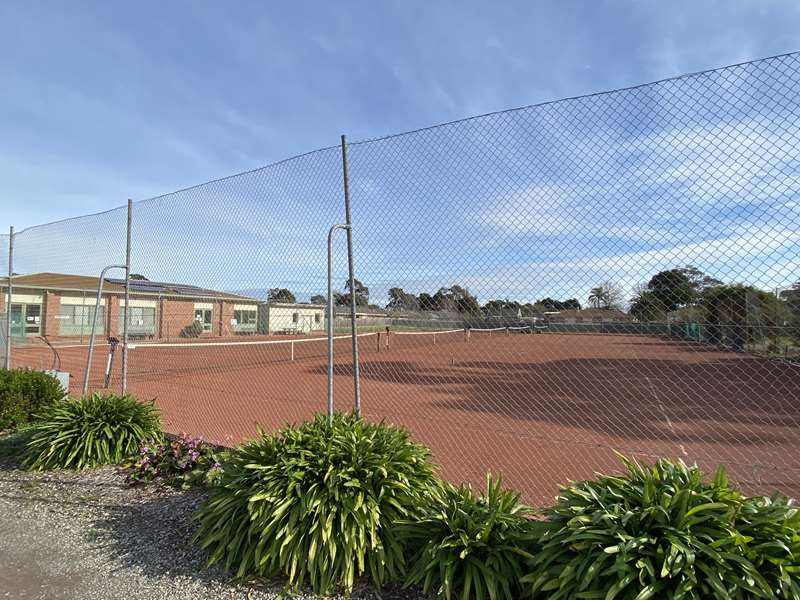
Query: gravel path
87	535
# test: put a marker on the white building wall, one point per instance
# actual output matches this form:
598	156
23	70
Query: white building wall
296	319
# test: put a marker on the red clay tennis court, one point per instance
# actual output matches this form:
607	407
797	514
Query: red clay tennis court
538	409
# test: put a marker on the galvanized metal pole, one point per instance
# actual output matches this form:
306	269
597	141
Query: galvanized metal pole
8	300
127	311
331	316
351	269
94	326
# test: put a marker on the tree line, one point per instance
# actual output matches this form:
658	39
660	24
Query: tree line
678	294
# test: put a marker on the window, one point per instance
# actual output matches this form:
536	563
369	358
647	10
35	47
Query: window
245	320
295	317
76	320
245	317
317	318
33	313
204	316
142	320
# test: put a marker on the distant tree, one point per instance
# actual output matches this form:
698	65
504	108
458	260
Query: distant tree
549	304
494	307
361	293
502	308
456	298
401	300
598	297
281	295
792	319
646	307
318	299
676	288
426	302
726	314
443	300
138	277
737	314
607	295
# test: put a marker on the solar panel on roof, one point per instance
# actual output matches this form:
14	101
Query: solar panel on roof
141	285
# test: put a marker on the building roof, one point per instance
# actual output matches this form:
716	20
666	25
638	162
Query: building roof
297	305
789	294
139	287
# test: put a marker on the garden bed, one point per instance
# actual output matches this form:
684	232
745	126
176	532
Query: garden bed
89	535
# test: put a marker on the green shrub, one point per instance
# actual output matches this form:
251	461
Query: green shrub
13	444
95	430
475	545
317	502
183	462
661	532
23	393
193	330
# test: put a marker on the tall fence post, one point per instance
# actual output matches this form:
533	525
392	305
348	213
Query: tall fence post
351	269
331	317
8	301
127	311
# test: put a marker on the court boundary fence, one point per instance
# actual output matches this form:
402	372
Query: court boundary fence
665	211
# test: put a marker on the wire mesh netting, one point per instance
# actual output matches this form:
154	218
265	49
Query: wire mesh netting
536	288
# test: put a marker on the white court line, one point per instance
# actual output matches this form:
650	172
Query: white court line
664	413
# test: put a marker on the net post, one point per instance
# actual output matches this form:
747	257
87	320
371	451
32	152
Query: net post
378	333
387	338
351	269
8	300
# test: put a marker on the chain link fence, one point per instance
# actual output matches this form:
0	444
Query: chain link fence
536	289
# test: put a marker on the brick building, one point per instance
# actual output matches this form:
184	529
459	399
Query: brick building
61	306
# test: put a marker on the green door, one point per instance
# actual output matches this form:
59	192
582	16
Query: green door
26	319
17	320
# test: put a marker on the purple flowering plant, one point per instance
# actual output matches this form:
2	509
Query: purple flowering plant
183	462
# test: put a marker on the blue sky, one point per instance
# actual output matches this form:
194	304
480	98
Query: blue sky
102	102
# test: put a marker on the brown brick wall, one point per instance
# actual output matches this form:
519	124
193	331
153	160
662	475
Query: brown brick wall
51	304
174	315
223	311
112	315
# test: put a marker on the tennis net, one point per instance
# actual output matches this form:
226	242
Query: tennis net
154	359
415	339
